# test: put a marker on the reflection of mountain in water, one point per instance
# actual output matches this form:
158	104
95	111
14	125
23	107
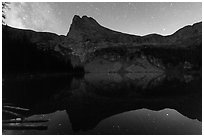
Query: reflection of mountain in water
98	96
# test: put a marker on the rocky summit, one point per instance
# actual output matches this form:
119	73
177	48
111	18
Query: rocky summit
95	48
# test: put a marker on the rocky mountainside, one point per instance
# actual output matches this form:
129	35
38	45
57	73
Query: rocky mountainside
86	29
99	49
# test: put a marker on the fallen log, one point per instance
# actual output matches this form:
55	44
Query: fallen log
16	108
12	113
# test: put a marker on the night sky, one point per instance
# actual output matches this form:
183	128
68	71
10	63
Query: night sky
132	17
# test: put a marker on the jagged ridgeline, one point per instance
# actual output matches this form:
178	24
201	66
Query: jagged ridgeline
91	47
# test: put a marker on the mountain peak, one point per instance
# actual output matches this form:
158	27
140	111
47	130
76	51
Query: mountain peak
81	25
83	21
85	17
76	17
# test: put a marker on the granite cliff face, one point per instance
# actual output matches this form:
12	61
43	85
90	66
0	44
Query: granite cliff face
99	49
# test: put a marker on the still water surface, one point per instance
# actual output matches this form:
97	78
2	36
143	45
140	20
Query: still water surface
140	103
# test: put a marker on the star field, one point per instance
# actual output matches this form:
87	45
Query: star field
129	17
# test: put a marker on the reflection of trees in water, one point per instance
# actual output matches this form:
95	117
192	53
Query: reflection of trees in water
120	85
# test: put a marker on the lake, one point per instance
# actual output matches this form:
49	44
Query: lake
103	103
